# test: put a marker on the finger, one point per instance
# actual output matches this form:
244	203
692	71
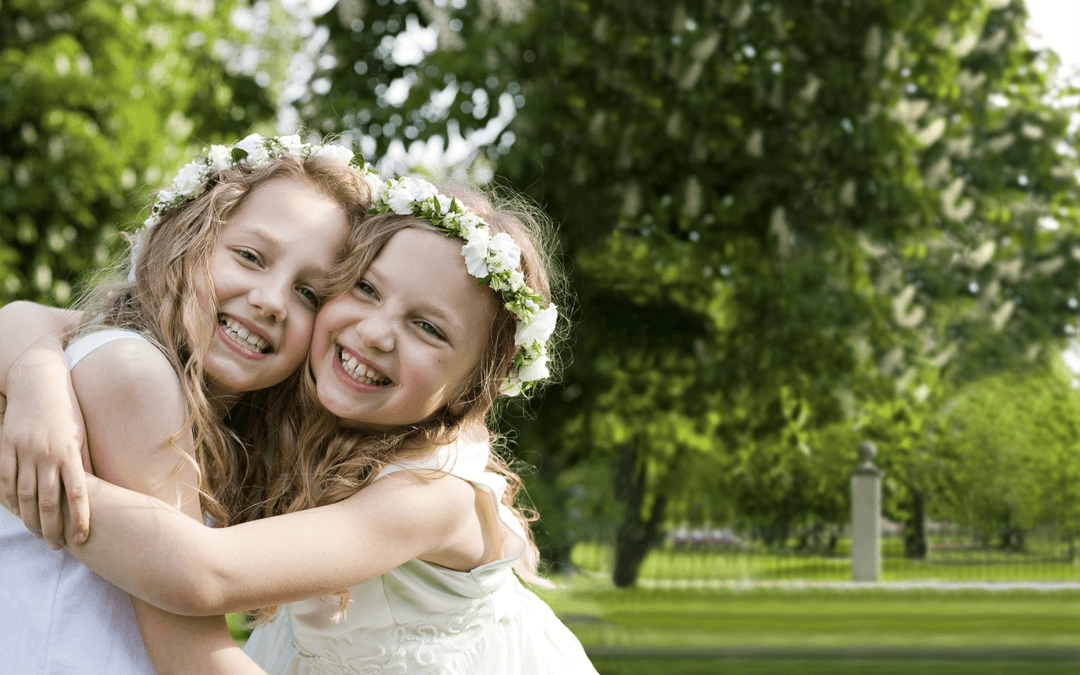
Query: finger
84	453
78	502
50	515
28	499
9	471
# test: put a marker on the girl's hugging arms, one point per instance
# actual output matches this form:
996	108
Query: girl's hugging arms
43	452
152	551
135	414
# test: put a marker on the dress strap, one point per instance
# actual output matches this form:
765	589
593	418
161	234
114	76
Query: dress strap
467	461
83	345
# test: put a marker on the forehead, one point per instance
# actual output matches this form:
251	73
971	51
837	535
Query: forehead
286	210
431	266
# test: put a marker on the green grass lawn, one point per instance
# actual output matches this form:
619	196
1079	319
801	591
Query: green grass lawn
821	631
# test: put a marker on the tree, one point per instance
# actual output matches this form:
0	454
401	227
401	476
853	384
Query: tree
779	214
1014	445
100	101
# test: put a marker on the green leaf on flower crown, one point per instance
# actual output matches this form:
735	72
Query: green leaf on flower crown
238	154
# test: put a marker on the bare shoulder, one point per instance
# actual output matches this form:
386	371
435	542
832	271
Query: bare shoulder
444	497
135	414
439	515
130	371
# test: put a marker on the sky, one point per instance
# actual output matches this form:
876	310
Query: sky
1056	24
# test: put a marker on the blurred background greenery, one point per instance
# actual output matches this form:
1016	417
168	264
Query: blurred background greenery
790	226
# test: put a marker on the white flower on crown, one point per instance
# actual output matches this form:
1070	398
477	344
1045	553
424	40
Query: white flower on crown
165	196
379	189
471	226
255	147
512	386
443	206
191	179
220	157
503	252
475	252
294	146
403	193
535	370
538	328
334	152
400	198
425	191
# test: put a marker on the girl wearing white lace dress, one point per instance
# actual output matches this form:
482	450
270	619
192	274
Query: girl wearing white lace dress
388	528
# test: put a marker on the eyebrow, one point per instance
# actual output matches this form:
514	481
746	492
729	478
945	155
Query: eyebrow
267	237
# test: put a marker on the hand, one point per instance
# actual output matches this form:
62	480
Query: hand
43	451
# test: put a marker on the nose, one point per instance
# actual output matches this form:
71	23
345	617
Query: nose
376	332
270	299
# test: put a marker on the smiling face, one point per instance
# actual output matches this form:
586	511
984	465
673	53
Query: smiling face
267	266
405	340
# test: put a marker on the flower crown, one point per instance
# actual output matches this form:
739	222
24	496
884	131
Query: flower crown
493	259
256	151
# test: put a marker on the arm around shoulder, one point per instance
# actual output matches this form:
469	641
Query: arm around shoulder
154	553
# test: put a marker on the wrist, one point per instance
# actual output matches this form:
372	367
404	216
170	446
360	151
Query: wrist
36	363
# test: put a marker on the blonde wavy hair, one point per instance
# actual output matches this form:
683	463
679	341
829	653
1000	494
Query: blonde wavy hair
328	463
161	304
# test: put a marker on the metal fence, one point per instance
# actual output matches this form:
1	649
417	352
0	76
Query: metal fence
716	555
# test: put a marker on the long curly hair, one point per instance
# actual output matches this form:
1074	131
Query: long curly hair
161	303
328	462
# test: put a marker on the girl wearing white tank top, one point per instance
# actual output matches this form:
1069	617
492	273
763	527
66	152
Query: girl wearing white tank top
220	302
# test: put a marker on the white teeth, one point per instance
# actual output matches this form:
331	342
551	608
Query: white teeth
361	372
242	335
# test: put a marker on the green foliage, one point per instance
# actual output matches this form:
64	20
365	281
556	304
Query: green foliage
783	217
1010	446
101	100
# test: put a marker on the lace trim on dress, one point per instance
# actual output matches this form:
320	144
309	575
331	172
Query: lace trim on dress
428	648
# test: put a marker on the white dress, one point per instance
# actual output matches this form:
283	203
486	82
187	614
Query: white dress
423	619
56	616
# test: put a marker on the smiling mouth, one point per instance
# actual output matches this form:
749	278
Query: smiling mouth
361	372
242	336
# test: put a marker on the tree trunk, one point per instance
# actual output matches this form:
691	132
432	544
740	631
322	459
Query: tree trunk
636	535
915	545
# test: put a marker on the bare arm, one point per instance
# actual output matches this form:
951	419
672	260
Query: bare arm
138	436
176	564
43	454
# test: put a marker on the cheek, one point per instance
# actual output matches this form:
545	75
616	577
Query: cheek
299	337
320	342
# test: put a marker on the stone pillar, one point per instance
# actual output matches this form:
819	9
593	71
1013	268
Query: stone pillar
866	516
